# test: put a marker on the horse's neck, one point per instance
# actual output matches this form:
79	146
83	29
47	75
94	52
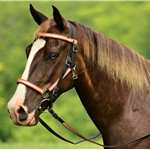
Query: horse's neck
112	106
100	96
107	103
98	93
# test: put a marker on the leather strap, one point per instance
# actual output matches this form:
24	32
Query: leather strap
88	139
38	89
56	36
29	84
69	128
53	132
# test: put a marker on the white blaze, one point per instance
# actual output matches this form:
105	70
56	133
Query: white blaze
38	44
19	95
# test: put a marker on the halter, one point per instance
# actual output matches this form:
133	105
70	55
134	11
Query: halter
49	95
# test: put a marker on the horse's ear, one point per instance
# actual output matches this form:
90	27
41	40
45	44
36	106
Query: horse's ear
37	16
60	21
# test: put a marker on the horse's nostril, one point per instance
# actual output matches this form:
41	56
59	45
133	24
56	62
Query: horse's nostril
22	114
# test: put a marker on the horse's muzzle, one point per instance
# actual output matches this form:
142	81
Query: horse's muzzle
20	116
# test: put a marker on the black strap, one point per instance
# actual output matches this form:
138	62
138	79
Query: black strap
62	138
70	62
53	132
74	46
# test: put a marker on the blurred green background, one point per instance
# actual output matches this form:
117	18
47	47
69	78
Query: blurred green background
126	22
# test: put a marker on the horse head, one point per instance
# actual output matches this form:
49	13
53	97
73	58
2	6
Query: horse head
46	57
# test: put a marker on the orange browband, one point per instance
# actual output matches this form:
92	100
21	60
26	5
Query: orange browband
56	36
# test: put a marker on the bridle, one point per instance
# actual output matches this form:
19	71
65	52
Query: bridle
50	94
68	67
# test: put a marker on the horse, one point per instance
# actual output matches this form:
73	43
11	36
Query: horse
111	80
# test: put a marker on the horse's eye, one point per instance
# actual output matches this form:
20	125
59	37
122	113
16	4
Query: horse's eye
53	56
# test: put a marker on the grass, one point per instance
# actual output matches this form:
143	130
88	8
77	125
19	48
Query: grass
45	145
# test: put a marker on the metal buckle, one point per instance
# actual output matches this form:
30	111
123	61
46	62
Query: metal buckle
42	102
68	61
55	91
74	75
75	48
46	94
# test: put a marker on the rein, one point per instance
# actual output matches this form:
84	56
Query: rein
49	95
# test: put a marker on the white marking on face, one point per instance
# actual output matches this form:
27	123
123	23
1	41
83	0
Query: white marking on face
19	95
38	44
